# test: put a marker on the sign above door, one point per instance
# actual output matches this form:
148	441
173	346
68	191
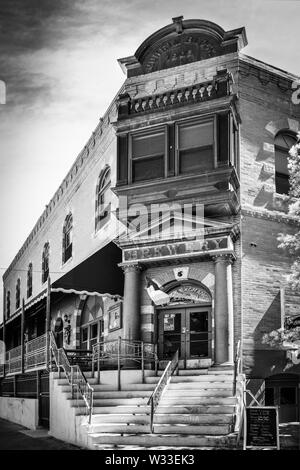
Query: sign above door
187	293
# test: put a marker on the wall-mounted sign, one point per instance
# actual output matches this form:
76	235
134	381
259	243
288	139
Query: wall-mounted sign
115	317
169	321
177	249
261	427
189	293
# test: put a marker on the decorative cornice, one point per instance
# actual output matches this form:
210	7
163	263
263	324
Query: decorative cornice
228	258
279	218
218	87
131	267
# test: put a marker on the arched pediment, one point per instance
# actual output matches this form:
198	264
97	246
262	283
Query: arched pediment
182	42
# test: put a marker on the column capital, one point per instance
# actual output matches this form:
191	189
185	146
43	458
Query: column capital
131	267
228	258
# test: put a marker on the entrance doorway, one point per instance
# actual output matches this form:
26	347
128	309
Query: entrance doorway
282	391
187	330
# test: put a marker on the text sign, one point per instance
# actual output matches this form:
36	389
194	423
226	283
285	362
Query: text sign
262	427
176	249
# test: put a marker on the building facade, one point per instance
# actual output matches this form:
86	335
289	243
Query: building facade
179	192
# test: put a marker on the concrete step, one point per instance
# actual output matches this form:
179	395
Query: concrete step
88	375
111	410
176	385
64	381
115	394
201	380
170	401
165	440
110	402
117	428
186	419
195	392
110	388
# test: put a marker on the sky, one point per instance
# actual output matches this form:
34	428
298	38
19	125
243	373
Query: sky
58	59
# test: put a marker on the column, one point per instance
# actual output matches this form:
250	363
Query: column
223	308
131	303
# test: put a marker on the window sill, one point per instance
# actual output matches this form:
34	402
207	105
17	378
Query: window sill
67	262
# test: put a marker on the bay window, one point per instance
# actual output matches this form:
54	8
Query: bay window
148	155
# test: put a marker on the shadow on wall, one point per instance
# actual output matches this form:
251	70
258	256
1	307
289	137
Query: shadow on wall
265	360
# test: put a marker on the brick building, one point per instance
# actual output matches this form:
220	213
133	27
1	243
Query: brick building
196	126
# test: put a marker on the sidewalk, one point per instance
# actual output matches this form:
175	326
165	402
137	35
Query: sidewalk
16	437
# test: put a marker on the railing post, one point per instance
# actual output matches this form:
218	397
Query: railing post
143	363
58	362
119	363
156	359
98	365
151	415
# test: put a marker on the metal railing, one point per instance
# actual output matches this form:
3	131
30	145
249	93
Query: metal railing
35	352
160	387
239	390
13	360
75	377
120	353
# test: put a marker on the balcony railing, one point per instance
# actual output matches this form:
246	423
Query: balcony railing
34	356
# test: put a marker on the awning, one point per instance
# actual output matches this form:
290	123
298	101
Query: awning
97	275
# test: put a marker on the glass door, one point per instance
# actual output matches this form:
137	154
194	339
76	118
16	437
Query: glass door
185	329
197	333
171	338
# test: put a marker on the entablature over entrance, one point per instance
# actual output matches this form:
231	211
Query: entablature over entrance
182	42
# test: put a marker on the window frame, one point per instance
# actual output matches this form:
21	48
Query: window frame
285	151
45	257
67	233
88	326
147	132
18	293
8	304
193	121
29	280
100	191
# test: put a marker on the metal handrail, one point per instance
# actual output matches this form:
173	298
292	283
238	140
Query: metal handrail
160	387
74	375
122	351
237	366
239	388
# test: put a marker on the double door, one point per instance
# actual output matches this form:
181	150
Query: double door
187	330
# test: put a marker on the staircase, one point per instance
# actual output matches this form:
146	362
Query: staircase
196	410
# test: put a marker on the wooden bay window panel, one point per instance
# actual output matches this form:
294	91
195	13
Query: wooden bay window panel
122	159
223	138
196	146
148	155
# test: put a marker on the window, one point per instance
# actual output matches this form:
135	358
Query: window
18	294
8	304
92	334
147	155
67	238
284	140
45	262
195	146
103	198
29	281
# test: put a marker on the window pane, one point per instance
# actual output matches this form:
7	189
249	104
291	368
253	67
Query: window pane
84	334
148	145
196	159
196	135
287	395
269	396
147	169
282	183
94	330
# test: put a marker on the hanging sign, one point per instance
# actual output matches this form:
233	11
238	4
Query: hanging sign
261	427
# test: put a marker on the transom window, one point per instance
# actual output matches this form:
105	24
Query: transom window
29	281
18	294
103	196
45	262
284	140
67	238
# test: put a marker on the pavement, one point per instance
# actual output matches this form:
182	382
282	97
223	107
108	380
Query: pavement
16	437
